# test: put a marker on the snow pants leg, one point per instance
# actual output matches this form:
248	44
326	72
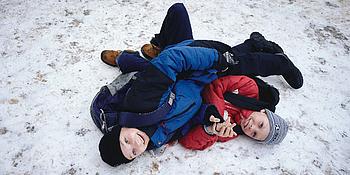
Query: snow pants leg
176	27
256	63
131	61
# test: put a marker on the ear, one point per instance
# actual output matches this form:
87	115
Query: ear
263	110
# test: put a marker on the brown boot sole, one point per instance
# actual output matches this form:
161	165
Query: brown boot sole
108	57
150	51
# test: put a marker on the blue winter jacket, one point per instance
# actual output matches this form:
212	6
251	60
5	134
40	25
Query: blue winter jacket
199	63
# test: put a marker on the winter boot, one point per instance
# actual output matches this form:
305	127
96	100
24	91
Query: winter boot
109	56
293	76
150	51
263	45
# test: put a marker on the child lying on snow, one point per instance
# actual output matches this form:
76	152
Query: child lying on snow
260	125
184	66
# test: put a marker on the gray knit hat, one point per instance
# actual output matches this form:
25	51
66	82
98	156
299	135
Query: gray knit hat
278	128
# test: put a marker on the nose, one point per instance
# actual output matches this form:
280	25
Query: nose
252	126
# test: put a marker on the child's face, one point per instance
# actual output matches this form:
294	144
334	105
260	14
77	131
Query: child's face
133	142
256	126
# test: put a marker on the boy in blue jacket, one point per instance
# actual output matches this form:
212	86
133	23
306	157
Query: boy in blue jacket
151	89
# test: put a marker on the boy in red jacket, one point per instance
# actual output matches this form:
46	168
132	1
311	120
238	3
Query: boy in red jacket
258	125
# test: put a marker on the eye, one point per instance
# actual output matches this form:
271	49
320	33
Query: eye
261	125
254	134
126	140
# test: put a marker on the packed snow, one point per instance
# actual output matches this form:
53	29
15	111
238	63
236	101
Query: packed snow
51	70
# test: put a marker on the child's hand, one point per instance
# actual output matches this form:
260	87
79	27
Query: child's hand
224	129
213	119
212	116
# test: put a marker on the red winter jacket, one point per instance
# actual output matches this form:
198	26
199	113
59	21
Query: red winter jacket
197	138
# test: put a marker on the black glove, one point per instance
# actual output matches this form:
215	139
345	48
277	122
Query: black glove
238	130
211	110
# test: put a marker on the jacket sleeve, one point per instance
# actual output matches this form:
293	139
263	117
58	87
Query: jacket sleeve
194	136
243	85
180	59
198	139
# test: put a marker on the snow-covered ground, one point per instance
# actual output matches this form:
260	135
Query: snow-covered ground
51	69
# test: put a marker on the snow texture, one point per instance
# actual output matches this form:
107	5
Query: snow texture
51	70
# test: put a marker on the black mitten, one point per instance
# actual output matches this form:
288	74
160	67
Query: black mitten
211	110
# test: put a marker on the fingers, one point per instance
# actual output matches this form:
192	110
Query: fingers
219	126
213	119
221	132
213	128
227	122
226	129
232	133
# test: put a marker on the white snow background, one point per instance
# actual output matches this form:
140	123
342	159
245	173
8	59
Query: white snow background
51	69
